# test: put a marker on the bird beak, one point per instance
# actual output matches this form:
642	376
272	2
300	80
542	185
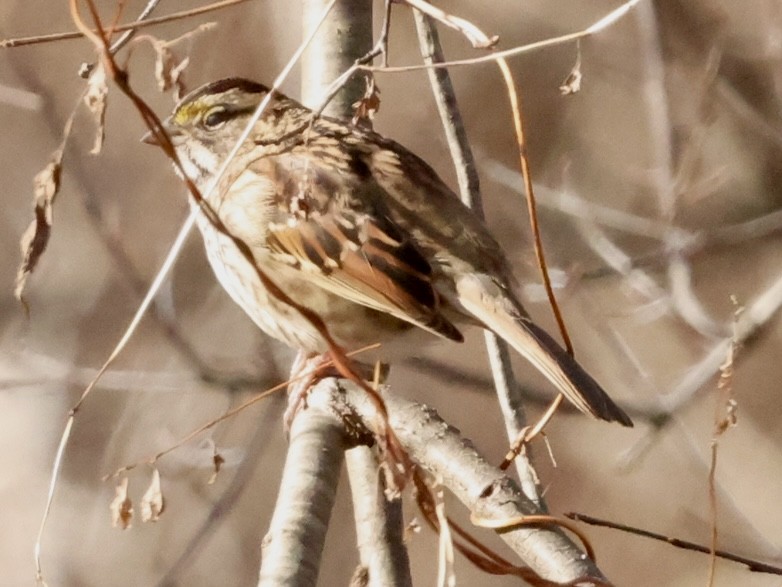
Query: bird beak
150	139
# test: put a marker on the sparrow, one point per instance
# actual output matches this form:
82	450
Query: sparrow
355	227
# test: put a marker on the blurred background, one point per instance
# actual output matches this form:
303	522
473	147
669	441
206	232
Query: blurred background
660	208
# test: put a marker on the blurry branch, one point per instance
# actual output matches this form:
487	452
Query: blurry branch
673	175
749	325
659	126
752	565
485	490
18	98
452	374
595	28
739	105
62	373
255	450
671	237
755	317
321	370
139	24
152	460
505	384
676	244
680	299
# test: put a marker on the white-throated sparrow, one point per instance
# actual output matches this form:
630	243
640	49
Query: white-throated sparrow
355	227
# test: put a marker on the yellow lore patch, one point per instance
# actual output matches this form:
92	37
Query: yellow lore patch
189	112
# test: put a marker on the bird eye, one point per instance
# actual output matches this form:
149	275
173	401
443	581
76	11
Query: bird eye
216	117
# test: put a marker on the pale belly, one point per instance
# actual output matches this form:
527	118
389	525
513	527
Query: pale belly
352	325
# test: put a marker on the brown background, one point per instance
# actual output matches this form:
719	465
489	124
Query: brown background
680	96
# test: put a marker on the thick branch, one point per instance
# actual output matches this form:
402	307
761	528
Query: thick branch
485	490
343	38
293	545
379	523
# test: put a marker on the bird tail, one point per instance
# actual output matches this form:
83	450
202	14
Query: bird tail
498	312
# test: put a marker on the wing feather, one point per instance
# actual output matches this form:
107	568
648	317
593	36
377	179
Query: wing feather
357	259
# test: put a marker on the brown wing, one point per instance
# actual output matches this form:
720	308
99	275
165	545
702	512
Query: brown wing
326	219
364	259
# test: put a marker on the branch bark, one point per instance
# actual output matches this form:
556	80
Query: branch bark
486	491
292	547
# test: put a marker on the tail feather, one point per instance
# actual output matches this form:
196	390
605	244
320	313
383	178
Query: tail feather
502	315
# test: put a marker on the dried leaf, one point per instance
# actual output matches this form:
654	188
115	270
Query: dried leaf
369	104
95	99
121	507
217	461
572	83
169	67
153	504
35	238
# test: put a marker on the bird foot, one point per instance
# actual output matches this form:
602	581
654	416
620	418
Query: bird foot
308	369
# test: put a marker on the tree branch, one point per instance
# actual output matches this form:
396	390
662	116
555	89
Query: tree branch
486	491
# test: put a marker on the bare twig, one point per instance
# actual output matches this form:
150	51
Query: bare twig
86	68
724	419
752	565
132	26
595	28
753	319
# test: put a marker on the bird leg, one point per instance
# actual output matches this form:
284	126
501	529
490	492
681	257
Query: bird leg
305	373
309	368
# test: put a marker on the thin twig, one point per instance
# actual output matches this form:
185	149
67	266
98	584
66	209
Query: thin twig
597	27
518	123
131	26
752	565
152	460
86	68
